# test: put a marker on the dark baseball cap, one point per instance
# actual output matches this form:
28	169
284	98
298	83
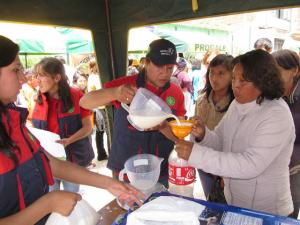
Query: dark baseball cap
162	52
8	51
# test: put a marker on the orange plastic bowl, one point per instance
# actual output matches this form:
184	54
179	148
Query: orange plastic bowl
183	130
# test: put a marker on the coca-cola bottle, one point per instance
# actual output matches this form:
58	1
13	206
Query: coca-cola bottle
181	176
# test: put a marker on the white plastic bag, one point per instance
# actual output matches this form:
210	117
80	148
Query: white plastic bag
83	214
167	210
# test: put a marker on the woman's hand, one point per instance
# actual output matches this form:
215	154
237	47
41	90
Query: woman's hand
125	193
184	149
125	93
62	202
198	129
65	142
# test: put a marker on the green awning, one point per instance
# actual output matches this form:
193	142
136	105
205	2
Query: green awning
76	40
30	46
36	39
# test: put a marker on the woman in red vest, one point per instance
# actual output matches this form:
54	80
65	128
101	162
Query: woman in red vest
57	110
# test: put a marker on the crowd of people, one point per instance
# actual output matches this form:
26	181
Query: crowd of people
244	140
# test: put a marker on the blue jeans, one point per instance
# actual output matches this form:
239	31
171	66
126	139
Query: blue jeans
295	189
67	186
207	182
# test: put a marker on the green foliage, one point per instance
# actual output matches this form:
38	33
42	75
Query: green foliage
83	68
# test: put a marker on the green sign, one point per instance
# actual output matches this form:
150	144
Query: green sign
206	47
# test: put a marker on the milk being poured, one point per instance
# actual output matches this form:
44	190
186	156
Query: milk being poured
148	119
147	110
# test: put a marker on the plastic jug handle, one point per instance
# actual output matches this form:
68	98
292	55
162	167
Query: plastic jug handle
126	107
121	174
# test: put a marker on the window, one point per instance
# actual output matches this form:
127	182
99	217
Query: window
278	43
284	14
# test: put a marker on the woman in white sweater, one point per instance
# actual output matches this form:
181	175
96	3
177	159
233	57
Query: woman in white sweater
252	145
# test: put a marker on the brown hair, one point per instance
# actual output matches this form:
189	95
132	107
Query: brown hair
93	66
54	66
209	53
288	59
226	61
261	69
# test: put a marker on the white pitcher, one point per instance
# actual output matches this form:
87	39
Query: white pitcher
147	110
142	170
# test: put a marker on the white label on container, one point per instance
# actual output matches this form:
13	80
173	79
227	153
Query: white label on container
238	219
140	162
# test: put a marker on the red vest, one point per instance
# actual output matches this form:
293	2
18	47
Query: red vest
79	152
23	184
127	141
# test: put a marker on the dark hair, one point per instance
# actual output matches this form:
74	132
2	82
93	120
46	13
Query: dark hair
130	61
93	66
62	59
260	68
76	76
79	74
180	54
142	59
224	60
8	52
53	67
265	43
288	59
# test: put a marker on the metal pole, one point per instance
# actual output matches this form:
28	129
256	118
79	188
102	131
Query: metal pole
68	58
110	39
26	63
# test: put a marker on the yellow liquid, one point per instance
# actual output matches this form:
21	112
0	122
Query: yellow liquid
182	130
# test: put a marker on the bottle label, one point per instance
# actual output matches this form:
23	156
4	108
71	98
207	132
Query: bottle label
181	175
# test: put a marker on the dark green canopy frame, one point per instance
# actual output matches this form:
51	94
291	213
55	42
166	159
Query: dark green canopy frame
110	20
